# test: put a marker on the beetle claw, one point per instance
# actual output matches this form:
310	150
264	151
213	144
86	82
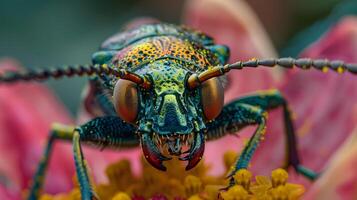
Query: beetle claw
196	152
152	154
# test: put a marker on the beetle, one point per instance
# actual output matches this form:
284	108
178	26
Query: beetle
165	84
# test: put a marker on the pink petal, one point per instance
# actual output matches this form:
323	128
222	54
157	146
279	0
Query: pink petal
230	22
27	110
7	195
324	103
339	180
233	23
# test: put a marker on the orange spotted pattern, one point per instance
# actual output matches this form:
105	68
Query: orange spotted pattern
154	48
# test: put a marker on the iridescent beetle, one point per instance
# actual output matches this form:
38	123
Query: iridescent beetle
166	83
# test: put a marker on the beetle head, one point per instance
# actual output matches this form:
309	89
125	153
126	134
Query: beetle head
170	117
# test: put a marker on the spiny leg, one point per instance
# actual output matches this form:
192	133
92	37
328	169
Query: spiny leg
233	117
267	100
60	132
102	132
248	151
87	192
271	99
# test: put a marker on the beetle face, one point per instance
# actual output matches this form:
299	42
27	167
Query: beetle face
170	117
171	120
171	123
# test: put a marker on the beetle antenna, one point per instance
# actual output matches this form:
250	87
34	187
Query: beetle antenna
74	70
304	63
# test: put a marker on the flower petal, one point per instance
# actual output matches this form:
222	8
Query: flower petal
324	103
233	23
7	195
27	111
339	180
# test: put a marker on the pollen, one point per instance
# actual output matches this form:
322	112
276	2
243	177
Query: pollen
105	66
325	69
121	196
340	70
196	184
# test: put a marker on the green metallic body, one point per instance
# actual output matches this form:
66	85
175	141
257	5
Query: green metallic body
166	55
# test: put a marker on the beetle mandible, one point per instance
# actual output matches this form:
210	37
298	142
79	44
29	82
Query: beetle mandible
166	86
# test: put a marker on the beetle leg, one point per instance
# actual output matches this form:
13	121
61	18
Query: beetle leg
87	192
271	99
60	132
265	100
102	132
235	116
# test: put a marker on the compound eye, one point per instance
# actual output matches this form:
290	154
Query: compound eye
212	98
126	100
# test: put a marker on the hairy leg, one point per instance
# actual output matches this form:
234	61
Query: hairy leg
231	120
271	99
235	116
58	132
87	192
103	132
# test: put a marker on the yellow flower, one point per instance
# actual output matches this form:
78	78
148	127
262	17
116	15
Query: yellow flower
121	196
277	187
195	197
236	192
192	185
243	177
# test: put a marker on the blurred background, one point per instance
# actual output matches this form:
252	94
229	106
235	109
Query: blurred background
43	33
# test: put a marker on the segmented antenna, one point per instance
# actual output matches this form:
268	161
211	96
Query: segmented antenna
304	63
74	70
